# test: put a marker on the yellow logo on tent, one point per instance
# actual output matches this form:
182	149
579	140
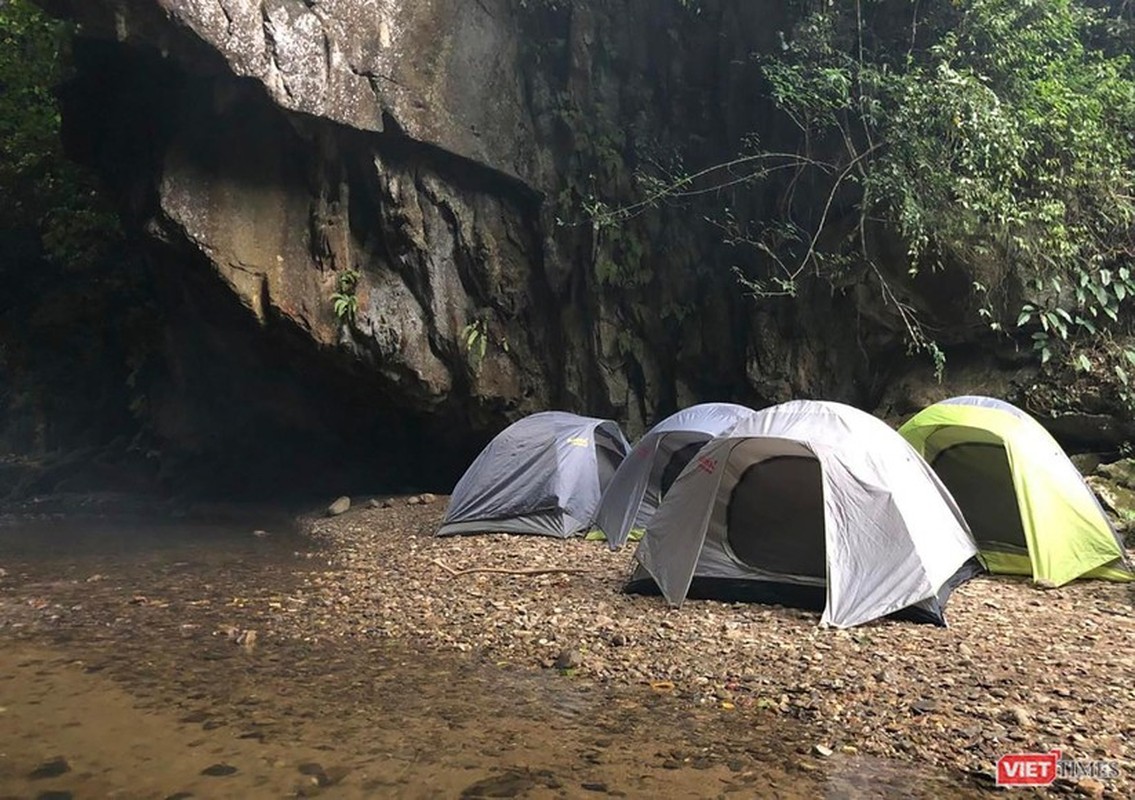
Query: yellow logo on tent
579	441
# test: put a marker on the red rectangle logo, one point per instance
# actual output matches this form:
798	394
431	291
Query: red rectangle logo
1027	769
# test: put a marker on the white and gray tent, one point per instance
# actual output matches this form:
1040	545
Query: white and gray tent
543	474
655	463
809	503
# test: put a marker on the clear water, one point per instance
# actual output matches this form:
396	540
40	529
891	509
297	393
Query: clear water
122	675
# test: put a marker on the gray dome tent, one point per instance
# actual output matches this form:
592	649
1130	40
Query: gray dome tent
543	474
655	463
809	498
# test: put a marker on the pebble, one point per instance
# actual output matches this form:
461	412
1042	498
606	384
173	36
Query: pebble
340	506
1090	787
219	770
569	658
924	706
52	768
1017	716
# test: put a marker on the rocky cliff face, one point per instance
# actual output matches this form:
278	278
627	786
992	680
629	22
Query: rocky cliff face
426	164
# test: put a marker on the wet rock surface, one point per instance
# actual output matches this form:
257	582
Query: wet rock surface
326	704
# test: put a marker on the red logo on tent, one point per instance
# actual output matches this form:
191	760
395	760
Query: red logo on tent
1027	769
707	464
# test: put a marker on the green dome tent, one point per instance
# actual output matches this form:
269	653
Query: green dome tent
1027	505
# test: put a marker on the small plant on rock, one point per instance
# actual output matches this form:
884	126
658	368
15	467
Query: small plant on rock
475	338
344	301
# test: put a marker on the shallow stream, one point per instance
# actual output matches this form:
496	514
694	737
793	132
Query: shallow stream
127	669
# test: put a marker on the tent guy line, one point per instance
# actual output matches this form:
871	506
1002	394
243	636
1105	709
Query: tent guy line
457	573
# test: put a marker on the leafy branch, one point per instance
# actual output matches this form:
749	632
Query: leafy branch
986	135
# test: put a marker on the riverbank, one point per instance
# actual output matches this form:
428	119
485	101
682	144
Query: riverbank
192	658
1020	669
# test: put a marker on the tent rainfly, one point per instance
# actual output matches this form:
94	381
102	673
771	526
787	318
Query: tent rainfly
1028	506
809	503
655	462
543	474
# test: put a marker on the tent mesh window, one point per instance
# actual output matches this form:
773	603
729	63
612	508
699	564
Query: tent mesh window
978	476
608	456
677	462
775	519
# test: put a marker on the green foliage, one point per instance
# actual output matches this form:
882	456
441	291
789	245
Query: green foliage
475	338
620	259
996	136
80	328
344	301
990	134
40	190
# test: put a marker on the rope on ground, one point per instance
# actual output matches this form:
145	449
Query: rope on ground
457	573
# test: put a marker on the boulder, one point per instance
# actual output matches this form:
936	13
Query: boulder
1116	498
340	506
1086	463
1121	472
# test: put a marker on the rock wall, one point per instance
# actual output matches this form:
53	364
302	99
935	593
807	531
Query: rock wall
430	162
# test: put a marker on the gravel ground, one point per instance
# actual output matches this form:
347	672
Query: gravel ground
1020	669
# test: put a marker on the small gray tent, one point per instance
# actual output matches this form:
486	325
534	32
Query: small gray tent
655	463
543	474
809	501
